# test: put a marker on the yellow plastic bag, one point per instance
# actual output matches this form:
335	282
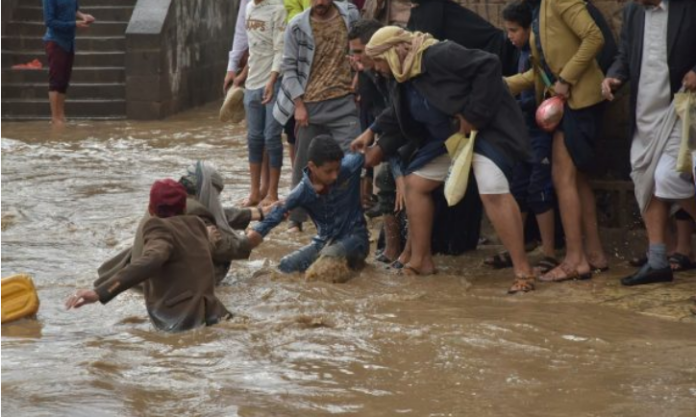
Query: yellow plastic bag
685	106
19	298
461	150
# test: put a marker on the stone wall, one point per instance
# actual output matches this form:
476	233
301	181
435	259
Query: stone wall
176	54
8	6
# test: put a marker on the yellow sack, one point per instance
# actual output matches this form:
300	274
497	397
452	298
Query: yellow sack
19	298
461	150
685	106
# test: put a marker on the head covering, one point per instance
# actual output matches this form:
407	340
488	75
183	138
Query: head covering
403	50
167	198
232	109
208	184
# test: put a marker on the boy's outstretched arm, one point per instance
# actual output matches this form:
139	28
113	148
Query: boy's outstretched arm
275	217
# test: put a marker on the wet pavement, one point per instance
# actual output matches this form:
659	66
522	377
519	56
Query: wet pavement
379	345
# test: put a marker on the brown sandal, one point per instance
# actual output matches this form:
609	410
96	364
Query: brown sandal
571	274
522	284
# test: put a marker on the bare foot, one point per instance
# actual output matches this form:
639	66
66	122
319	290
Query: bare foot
566	272
295	227
268	201
250	201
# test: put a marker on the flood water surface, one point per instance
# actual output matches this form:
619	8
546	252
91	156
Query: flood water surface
379	345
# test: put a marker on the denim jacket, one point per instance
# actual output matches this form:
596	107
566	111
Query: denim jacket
336	214
60	17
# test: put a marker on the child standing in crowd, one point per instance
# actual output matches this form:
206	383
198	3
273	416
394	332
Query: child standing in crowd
565	42
265	26
330	193
532	186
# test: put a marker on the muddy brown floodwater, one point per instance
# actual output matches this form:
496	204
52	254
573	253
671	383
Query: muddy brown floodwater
450	345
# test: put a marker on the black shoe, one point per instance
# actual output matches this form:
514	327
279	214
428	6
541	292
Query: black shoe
647	275
373	212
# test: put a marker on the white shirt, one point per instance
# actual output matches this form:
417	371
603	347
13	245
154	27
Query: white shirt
265	26
240	42
654	90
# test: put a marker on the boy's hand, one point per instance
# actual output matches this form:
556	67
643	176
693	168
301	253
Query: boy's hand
229	79
609	85
80	298
81	24
255	238
268	92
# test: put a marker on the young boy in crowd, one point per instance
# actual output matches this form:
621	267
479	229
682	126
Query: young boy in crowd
330	193
532	185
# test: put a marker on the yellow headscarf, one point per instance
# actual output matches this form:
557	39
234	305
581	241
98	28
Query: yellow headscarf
403	50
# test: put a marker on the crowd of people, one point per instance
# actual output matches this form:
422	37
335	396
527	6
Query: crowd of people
354	96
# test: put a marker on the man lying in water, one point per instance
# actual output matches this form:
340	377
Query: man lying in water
176	267
330	193
203	183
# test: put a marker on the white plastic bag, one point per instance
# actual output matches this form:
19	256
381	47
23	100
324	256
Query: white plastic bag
461	150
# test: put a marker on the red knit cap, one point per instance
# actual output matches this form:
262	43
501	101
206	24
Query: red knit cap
167	198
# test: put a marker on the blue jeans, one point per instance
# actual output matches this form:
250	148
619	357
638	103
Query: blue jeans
263	129
354	248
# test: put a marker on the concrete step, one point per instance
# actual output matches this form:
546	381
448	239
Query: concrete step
116	13
84	43
76	90
82	58
79	75
37	29
84	108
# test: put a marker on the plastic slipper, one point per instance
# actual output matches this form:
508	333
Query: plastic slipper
638	261
396	265
383	259
598	269
680	262
522	285
409	270
546	264
499	261
571	274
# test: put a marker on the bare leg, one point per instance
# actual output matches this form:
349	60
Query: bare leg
655	218
392	237
504	214
253	199
57	102
593	244
265	177
565	182
273	180
684	230
291	148
547	228
420	209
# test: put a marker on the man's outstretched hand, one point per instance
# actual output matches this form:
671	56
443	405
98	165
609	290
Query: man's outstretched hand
80	298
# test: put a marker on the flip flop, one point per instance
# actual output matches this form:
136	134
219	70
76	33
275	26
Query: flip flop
409	270
598	269
638	261
570	275
383	259
499	261
522	285
680	262
396	265
546	264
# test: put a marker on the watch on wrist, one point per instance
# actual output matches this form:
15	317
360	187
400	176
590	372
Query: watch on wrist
562	81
